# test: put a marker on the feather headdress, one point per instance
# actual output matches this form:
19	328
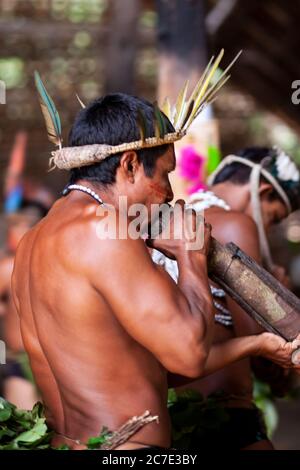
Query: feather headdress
181	116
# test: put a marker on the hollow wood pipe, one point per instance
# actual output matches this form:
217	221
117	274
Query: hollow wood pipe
262	296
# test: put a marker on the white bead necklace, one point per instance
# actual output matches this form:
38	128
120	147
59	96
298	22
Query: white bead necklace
84	189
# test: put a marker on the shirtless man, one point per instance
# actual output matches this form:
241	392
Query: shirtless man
18	389
230	212
102	323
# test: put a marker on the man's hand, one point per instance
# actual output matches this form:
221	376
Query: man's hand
276	349
173	245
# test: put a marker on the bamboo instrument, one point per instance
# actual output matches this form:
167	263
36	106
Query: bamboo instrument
264	298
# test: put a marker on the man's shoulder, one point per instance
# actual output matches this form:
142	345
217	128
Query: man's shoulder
240	229
239	220
94	237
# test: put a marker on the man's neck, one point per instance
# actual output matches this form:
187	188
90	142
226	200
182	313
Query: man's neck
107	194
236	196
110	195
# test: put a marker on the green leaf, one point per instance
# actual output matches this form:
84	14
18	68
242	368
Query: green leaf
10	446
190	396
62	447
4	431
38	411
6	410
213	158
172	396
38	431
96	442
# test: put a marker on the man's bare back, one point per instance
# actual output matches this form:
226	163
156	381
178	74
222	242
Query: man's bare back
79	352
77	297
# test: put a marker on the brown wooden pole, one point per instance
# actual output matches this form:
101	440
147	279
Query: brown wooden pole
183	56
181	44
122	46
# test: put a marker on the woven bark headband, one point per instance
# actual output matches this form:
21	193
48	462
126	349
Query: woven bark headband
181	115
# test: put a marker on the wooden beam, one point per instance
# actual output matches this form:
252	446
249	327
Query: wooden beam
19	30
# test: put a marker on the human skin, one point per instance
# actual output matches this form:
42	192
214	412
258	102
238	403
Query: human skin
17	390
237	226
6	269
11	321
102	324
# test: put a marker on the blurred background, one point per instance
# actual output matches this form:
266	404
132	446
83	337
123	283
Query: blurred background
150	48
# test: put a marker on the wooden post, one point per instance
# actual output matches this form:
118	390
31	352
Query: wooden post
181	43
122	45
183	56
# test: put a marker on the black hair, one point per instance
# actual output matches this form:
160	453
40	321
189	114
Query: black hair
112	120
239	174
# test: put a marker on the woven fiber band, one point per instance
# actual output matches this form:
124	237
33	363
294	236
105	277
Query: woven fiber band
75	157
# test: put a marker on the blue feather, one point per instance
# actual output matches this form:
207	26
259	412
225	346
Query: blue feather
49	111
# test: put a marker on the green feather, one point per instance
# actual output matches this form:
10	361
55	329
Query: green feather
159	122
142	124
49	111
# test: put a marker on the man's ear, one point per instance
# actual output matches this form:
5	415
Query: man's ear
265	190
129	165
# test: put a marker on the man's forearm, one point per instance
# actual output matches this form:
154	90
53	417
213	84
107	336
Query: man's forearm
222	355
193	282
232	350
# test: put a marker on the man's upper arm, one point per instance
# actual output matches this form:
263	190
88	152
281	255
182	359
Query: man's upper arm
241	230
145	300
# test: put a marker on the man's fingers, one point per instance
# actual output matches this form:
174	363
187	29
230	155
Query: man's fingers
296	357
296	343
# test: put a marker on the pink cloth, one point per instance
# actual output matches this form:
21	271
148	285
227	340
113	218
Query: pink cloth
191	166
